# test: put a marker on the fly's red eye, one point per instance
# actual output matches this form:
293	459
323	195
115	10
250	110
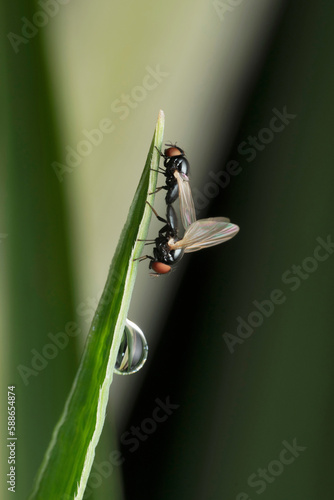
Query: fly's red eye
160	267
173	151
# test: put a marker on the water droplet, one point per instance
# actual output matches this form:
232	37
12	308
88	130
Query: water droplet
133	350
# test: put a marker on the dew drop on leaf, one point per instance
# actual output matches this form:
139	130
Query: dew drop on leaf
133	350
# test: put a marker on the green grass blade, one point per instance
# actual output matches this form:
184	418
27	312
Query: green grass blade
66	466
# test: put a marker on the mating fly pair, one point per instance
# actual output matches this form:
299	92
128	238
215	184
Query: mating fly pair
199	234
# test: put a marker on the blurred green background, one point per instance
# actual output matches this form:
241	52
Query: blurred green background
81	87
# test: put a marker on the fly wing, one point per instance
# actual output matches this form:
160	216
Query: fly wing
187	208
219	219
206	233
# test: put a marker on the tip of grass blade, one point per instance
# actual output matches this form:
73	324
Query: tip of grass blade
69	457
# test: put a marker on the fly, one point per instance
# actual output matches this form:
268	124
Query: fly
177	182
204	233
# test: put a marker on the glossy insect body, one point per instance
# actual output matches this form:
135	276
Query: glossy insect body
177	183
200	234
174	161
164	256
205	233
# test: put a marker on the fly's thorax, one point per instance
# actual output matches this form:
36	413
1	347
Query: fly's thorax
177	254
179	163
183	166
